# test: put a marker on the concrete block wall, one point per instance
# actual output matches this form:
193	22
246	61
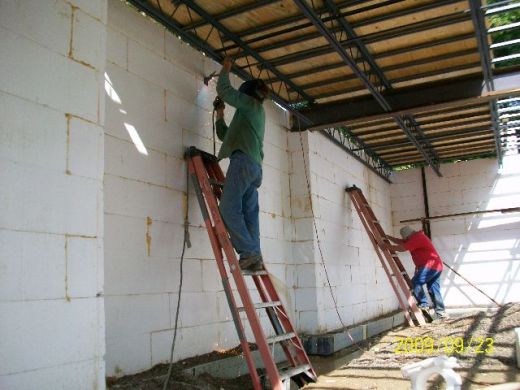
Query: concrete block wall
156	106
483	248
341	253
51	175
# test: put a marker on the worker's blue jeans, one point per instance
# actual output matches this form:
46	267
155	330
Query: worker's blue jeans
430	277
239	204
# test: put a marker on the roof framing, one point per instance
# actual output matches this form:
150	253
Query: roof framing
374	75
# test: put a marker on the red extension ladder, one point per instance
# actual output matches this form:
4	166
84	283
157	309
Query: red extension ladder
391	263
208	179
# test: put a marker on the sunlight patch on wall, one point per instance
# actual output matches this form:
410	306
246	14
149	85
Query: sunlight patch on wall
111	92
134	135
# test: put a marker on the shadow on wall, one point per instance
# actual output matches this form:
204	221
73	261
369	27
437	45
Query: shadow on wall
488	253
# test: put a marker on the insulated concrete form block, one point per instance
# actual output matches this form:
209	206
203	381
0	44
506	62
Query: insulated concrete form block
130	274
126	118
201	248
83	267
206	336
33	266
28	128
127	354
85	141
306	299
304	229
117	48
88	41
276	136
137	199
67	200
46	22
124	160
198	308
75	375
276	157
304	251
307	321
33	326
136	26
271	226
182	55
142	237
95	8
274	250
134	315
211	280
63	77
271	202
157	70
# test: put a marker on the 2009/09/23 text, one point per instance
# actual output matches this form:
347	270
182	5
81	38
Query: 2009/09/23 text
448	345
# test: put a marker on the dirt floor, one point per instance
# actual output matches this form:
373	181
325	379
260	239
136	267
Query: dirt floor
483	343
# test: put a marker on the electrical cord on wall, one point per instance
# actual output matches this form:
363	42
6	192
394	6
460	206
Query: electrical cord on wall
186	243
319	245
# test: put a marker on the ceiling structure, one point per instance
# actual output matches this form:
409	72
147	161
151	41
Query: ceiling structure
393	82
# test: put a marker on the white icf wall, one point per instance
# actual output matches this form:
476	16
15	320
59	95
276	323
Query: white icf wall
51	179
485	248
336	267
157	106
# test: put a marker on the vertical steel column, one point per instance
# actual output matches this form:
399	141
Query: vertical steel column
479	24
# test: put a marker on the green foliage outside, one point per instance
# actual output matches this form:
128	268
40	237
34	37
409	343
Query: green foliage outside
503	19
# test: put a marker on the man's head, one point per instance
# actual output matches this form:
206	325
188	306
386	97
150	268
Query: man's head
255	88
406	232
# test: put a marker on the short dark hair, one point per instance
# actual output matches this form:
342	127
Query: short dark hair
255	88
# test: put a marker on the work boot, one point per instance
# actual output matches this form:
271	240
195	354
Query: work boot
440	316
258	266
247	262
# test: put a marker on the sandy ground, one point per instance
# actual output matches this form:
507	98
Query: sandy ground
483	343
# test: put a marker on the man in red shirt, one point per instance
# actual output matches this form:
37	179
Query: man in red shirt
428	267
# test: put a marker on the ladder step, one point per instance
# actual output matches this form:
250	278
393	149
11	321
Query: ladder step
263	305
293	371
216	182
252	273
282	337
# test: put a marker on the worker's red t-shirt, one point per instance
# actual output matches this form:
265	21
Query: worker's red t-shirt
423	252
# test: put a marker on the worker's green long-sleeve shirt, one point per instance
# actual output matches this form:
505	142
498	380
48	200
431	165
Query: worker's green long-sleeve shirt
247	128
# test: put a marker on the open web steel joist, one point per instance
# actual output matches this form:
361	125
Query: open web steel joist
393	82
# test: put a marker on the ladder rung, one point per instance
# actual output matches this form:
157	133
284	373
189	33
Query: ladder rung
216	182
263	305
247	272
282	337
293	371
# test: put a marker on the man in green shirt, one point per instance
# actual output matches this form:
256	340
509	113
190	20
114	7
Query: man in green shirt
242	143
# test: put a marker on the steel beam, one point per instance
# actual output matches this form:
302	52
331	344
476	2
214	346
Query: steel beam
407	124
485	57
468	66
415	100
